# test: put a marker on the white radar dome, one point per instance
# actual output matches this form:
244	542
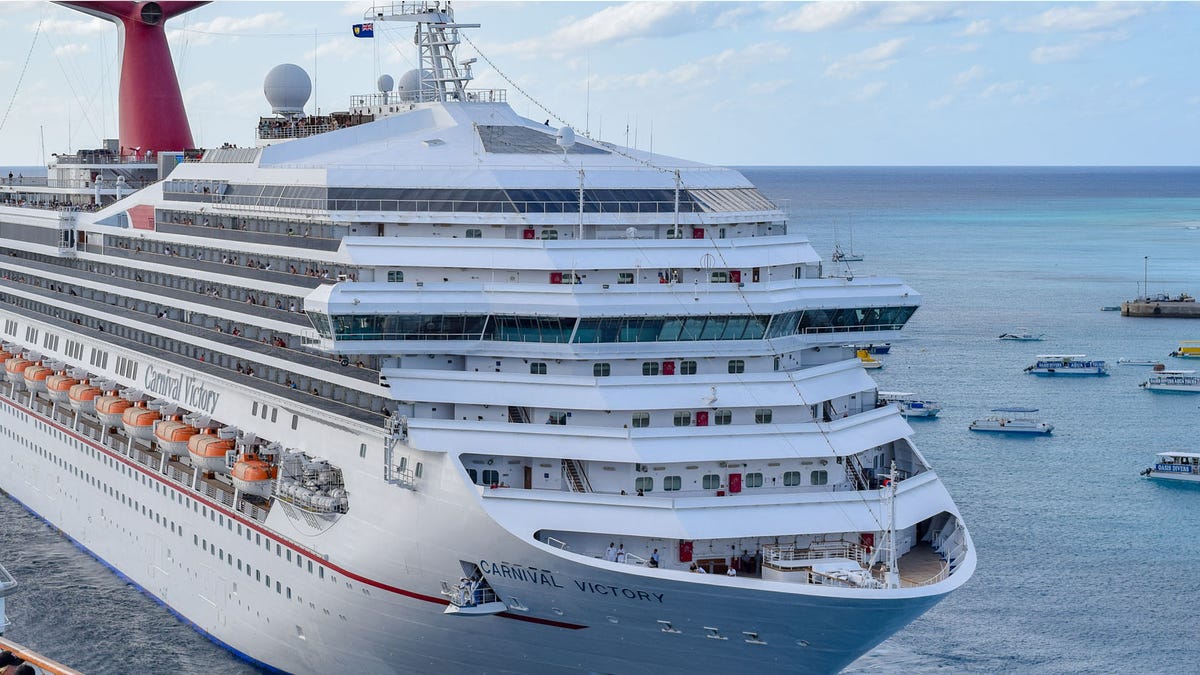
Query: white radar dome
565	137
287	89
409	86
386	83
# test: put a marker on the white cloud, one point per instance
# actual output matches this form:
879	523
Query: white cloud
1138	82
766	88
868	92
1000	89
1017	92
818	16
1082	18
942	101
72	49
1072	50
206	32
894	14
61	28
871	60
964	48
980	27
700	72
622	22
969	75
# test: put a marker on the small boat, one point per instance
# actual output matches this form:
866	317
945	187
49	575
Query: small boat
1188	349
1023	335
839	255
1175	465
1138	362
1110	308
1181	381
909	405
880	349
1066	364
1005	422
869	362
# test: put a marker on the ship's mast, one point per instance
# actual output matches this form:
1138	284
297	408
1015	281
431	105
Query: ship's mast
442	79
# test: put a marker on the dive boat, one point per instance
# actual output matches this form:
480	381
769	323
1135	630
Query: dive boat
1066	364
1175	465
1004	421
1179	381
1188	349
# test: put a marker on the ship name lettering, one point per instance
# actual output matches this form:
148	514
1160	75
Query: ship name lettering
182	388
618	591
519	574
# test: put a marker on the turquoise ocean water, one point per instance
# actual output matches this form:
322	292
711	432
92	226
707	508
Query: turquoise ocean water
1083	565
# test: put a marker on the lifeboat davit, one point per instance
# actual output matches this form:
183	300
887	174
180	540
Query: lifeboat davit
35	377
207	451
139	420
82	397
172	435
253	475
58	386
110	407
14	370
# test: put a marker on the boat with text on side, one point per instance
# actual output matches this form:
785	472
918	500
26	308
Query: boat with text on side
1023	335
1067	364
1005	420
1187	349
909	404
1175	465
1180	381
379	393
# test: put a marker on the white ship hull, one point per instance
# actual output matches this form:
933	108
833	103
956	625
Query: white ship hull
377	607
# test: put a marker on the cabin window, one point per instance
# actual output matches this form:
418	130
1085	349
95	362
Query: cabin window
418	470
753	480
491	477
644	484
819	477
601	369
571	278
550	234
558	417
737	366
723	416
474	234
650	368
683	418
537	368
624	277
474	475
719	277
791	478
641	420
687	367
675	233
763	416
395	276
672	483
362	450
799	272
711	481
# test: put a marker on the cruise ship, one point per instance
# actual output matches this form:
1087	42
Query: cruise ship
424	385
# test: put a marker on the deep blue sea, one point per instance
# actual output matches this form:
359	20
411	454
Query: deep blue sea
1083	565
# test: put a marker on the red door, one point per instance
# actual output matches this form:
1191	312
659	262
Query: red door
556	277
735	483
668	368
735	276
685	551
697	233
528	234
701	418
867	540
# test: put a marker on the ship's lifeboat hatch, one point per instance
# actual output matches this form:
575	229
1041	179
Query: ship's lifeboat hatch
253	475
472	595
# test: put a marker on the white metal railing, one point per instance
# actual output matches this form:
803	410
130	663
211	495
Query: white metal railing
816	551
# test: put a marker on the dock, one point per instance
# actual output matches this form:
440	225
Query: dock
1183	306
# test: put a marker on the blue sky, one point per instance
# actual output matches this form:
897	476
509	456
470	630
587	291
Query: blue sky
741	83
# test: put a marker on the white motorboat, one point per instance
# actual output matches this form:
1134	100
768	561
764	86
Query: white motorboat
1179	381
1023	335
1175	465
909	404
1006	421
1066	364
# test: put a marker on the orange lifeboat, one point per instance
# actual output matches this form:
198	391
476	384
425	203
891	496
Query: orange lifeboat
5	355
110	408
253	475
58	386
35	377
172	435
207	450
14	370
139	420
83	397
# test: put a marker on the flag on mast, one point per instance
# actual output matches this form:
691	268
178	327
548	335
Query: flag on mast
364	30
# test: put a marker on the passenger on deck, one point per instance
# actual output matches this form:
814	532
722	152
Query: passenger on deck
611	554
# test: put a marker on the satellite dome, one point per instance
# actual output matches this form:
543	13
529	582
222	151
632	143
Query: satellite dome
287	89
410	84
565	137
386	83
